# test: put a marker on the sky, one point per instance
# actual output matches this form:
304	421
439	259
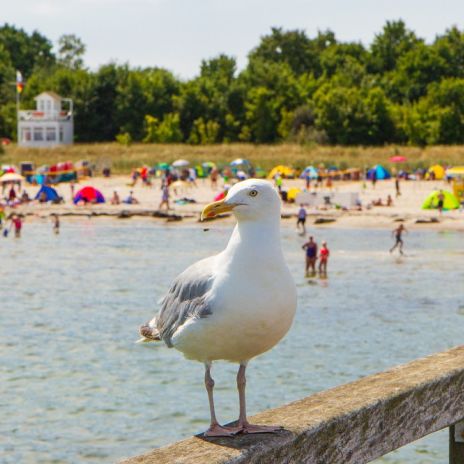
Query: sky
178	34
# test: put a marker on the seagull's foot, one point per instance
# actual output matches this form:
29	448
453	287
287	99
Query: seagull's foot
252	428
220	431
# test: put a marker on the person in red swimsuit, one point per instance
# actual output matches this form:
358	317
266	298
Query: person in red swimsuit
323	258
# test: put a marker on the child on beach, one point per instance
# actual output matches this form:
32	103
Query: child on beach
164	196
311	255
323	258
17	222
56	223
398	232
301	220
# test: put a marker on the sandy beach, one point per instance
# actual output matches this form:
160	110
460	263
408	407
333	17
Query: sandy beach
406	208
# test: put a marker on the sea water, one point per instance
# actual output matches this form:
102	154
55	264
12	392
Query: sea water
75	388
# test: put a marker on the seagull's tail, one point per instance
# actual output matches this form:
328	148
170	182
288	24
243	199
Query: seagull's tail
149	334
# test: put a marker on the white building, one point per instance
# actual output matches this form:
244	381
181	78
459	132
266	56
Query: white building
50	124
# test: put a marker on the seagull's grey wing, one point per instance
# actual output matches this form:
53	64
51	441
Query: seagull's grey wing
186	298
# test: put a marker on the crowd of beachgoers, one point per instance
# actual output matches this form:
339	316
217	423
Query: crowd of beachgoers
371	197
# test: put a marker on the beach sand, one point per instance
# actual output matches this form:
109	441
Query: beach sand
406	208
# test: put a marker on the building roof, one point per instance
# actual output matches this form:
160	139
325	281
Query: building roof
49	93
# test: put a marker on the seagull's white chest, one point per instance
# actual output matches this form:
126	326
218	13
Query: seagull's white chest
253	305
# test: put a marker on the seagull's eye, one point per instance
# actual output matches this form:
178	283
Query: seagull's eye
253	193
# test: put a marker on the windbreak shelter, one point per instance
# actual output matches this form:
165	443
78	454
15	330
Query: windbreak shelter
449	202
47	193
284	171
89	195
379	172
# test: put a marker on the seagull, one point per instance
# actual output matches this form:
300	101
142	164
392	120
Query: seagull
235	305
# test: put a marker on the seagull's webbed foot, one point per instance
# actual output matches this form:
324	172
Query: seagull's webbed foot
252	428
220	431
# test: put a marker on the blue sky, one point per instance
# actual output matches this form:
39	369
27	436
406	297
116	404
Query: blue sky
178	34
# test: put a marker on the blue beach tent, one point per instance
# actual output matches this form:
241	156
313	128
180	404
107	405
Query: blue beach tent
50	192
380	171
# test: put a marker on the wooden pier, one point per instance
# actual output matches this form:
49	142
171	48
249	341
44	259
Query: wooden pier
353	423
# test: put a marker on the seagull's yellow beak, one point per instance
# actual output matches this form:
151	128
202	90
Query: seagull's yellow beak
218	207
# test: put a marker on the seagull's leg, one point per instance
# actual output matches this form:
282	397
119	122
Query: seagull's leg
243	424
215	430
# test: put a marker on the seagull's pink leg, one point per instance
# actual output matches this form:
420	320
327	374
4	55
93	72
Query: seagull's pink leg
243	424
215	430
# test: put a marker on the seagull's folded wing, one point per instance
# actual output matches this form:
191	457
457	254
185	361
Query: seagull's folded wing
187	298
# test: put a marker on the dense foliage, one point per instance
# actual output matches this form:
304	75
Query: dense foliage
295	88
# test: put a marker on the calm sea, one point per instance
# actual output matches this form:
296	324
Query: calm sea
75	388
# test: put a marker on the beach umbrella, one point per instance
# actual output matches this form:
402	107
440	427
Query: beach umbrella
311	171
457	171
89	195
163	166
398	159
11	177
239	161
449	201
180	163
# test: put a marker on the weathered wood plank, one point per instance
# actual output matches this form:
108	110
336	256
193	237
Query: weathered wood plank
352	423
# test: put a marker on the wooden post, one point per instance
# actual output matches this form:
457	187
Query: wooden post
456	443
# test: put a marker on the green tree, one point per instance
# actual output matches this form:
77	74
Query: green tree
70	51
394	41
27	52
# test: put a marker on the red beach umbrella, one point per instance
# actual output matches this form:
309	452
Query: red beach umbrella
398	159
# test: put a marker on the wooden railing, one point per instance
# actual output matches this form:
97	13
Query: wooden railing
353	423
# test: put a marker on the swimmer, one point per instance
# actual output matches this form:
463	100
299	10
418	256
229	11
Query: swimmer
323	259
311	255
398	236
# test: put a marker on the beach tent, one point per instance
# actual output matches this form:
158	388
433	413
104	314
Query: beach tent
50	193
89	195
380	171
284	171
436	171
450	201
311	171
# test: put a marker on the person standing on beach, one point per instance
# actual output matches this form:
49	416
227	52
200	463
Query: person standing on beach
311	255
441	201
164	196
323	259
397	186
17	223
301	220
214	174
56	223
398	232
374	178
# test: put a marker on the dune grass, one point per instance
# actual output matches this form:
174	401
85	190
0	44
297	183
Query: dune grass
122	159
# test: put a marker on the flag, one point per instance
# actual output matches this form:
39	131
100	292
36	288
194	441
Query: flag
19	82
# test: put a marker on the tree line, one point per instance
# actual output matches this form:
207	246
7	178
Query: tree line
399	89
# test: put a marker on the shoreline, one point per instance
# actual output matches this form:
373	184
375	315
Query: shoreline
405	209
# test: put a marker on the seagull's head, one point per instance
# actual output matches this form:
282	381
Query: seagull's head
252	199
